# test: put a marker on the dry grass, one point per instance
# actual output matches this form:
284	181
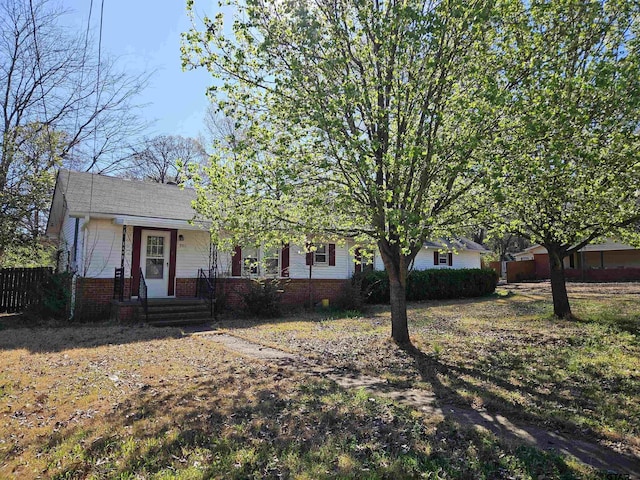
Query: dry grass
112	402
505	353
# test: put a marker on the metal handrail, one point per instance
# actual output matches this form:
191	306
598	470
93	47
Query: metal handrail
118	284
142	295
205	289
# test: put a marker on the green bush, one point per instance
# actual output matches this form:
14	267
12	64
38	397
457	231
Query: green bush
52	297
432	284
262	298
352	297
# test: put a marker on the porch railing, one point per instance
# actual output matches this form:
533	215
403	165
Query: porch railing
206	289
118	284
142	296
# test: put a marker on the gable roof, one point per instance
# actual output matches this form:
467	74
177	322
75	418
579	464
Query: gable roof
460	243
99	194
88	194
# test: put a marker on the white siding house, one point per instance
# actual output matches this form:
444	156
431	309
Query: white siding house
105	225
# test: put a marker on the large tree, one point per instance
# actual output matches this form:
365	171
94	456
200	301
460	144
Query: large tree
360	118
568	163
60	95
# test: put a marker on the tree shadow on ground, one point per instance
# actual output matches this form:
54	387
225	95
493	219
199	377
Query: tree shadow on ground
524	427
317	429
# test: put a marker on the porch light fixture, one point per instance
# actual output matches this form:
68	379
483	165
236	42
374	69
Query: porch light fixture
181	237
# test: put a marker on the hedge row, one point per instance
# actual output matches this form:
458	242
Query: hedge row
432	284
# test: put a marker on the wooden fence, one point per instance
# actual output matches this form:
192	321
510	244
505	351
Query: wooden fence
18	286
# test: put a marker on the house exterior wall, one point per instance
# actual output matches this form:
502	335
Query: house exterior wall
622	258
461	259
103	247
619	265
66	244
424	260
192	253
298	268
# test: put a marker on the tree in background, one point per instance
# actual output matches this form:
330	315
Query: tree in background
166	158
24	202
361	119
61	101
567	165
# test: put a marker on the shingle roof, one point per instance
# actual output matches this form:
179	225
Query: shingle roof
100	194
457	244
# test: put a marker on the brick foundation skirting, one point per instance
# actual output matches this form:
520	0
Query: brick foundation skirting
96	294
295	291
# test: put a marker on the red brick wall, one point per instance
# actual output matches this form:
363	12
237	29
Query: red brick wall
94	296
97	293
295	291
185	287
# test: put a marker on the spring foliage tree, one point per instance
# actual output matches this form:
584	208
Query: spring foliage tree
568	164
359	118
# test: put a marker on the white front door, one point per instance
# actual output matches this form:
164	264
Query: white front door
154	260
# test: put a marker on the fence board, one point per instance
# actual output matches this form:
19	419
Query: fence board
18	287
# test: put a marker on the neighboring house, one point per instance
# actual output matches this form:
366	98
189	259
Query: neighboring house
609	261
103	224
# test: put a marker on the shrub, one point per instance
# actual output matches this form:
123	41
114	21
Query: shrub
52	297
262	298
352	297
432	284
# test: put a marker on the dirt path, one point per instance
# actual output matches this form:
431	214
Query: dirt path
589	453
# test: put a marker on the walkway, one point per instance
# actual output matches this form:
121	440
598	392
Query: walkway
589	453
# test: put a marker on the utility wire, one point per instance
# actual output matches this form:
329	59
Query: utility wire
84	62
95	130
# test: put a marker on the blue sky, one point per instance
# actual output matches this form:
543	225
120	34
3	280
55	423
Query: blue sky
145	36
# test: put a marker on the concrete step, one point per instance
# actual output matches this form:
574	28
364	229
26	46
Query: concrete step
176	311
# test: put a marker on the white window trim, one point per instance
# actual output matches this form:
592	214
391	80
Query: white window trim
325	253
260	268
443	259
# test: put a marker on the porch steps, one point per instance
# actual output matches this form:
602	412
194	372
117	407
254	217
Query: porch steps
164	312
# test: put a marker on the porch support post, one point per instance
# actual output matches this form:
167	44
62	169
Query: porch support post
124	242
172	262
135	261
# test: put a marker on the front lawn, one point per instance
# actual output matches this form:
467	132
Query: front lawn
130	402
505	353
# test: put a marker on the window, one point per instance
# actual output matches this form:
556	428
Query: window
320	255
271	260
155	258
250	261
443	259
257	262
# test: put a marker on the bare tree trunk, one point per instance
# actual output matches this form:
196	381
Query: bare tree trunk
398	300
561	307
396	267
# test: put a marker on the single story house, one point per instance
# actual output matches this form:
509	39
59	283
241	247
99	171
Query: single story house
111	230
609	261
